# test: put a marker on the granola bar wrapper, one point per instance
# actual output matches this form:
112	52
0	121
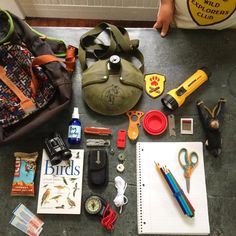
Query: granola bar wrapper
25	167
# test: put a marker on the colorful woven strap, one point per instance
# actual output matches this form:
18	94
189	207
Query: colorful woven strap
39	61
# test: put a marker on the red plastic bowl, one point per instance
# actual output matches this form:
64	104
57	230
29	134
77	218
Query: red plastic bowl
155	122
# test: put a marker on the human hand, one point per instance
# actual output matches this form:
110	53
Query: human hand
164	16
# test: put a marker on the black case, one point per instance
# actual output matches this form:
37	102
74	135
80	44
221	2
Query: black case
98	167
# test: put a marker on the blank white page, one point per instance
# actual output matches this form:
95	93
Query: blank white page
158	210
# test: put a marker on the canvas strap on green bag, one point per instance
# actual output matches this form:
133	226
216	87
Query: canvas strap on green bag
119	43
106	90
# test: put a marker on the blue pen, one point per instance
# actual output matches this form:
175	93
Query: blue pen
186	199
180	195
177	191
177	195
170	185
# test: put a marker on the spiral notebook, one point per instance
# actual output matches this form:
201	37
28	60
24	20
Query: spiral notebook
158	210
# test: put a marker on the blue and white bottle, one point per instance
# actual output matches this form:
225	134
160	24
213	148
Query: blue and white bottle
74	130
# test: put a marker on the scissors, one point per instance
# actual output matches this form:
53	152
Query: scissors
188	161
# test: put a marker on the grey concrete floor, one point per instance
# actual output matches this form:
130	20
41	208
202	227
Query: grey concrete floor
177	57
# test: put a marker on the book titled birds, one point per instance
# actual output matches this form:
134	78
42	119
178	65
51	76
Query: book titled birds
60	187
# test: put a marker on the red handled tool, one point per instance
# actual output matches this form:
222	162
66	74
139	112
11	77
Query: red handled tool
97	130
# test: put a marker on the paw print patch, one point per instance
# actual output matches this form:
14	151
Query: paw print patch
154	84
204	12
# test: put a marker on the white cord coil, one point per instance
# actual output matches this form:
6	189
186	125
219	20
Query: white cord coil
120	199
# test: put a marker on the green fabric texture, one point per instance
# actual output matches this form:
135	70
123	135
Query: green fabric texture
106	91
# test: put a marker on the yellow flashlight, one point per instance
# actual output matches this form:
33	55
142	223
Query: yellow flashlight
176	97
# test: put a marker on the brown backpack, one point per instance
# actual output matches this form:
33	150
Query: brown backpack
34	84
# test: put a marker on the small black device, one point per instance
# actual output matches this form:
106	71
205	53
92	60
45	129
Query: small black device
98	167
57	149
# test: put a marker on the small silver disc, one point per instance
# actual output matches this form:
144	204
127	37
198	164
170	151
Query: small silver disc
121	156
120	168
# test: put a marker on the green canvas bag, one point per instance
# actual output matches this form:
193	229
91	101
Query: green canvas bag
113	84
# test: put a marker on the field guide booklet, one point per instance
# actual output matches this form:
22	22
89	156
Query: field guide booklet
60	187
158	210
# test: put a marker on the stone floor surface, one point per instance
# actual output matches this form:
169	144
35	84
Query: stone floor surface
177	57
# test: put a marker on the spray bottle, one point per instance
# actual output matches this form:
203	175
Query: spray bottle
74	130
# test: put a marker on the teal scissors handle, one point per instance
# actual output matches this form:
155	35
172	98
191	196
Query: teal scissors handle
188	161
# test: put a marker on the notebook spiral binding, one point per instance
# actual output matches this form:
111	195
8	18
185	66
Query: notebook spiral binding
139	189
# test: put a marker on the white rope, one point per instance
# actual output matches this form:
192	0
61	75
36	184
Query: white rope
120	198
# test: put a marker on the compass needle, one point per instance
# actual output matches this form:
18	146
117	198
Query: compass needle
93	205
96	205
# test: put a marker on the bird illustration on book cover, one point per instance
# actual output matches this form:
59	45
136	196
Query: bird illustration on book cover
60	189
45	196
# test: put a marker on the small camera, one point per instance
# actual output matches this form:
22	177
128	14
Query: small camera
56	149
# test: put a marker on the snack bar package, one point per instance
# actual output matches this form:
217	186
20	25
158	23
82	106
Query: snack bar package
25	167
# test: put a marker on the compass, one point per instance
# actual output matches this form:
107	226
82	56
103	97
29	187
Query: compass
97	206
94	205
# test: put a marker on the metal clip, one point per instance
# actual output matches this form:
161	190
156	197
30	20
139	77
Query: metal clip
171	121
98	143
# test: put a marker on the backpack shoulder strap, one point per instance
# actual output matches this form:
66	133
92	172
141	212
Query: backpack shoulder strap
14	29
7	26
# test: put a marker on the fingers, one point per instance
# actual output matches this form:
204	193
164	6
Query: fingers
164	30
163	26
164	17
157	25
